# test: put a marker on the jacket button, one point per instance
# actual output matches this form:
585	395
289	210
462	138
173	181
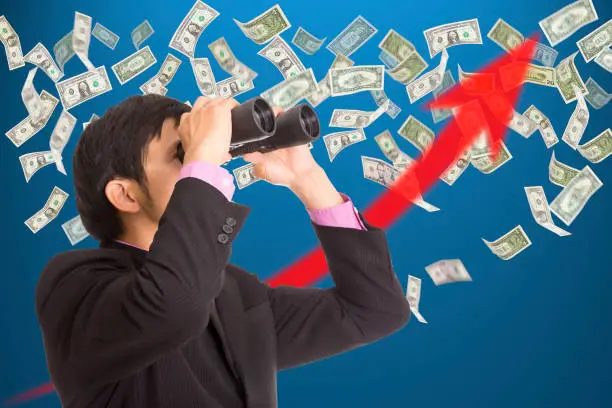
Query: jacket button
222	238
227	228
230	221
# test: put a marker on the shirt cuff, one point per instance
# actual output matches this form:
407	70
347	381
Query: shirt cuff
343	215
216	176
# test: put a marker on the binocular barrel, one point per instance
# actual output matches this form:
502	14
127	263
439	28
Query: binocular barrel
256	129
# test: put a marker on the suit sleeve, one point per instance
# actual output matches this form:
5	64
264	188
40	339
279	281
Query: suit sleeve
106	321
366	304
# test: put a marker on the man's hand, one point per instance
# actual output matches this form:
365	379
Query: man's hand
295	168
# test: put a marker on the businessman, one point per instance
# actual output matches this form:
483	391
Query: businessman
157	316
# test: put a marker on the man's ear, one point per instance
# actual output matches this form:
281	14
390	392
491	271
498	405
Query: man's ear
122	195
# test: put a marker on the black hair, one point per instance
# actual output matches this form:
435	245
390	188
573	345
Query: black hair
115	146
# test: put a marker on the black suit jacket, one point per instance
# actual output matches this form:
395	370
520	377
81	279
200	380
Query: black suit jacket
124	328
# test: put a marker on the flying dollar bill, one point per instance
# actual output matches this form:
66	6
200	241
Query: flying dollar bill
485	164
448	271
133	65
457	168
391	150
567	75
228	61
41	57
597	96
395	45
231	87
81	88
351	118
595	42
448	35
283	57
81	38
598	148
289	92
307	42
448	82
400	55
74	230
510	244
324	90
388	59
105	36
427	82
604	59
416	133
522	125
573	198
544	126
167	71
540	211
380	97
32	162
578	121
188	33
413	294
31	98
12	45
62	50
544	54
504	35
24	130
49	212
357	33
141	33
560	173
60	136
336	142
245	175
408	69
265	26
347	81
565	22
204	76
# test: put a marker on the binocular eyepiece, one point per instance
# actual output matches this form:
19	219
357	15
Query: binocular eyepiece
256	129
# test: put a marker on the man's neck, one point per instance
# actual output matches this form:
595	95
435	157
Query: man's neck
139	236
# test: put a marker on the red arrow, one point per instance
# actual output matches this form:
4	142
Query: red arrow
482	105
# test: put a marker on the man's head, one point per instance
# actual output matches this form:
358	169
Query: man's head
125	166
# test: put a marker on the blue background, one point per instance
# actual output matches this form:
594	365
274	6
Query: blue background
534	331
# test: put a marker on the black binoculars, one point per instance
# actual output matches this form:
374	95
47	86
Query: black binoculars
256	129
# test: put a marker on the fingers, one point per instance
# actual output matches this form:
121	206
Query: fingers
253	157
277	110
201	102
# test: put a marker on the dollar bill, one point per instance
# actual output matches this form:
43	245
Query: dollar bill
141	33
31	98
396	46
408	69
448	82
380	97
504	35
456	169
324	86
357	33
448	271
347	81
228	61
24	130
283	57
245	175
204	76
81	38
544	54
387	59
604	59
306	41
188	33
91	119
75	230
391	150
62	50
32	162
265	26
41	57
565	22
572	199
12	44
81	88
416	133
428	81
577	123
560	173
413	294
289	92
134	65
597	96
350	118
510	244
487	165
511	75
448	35
167	71
567	75
105	36
522	125
232	87
49	212
544	126
60	136
540	211
595	42
598	148
336	142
